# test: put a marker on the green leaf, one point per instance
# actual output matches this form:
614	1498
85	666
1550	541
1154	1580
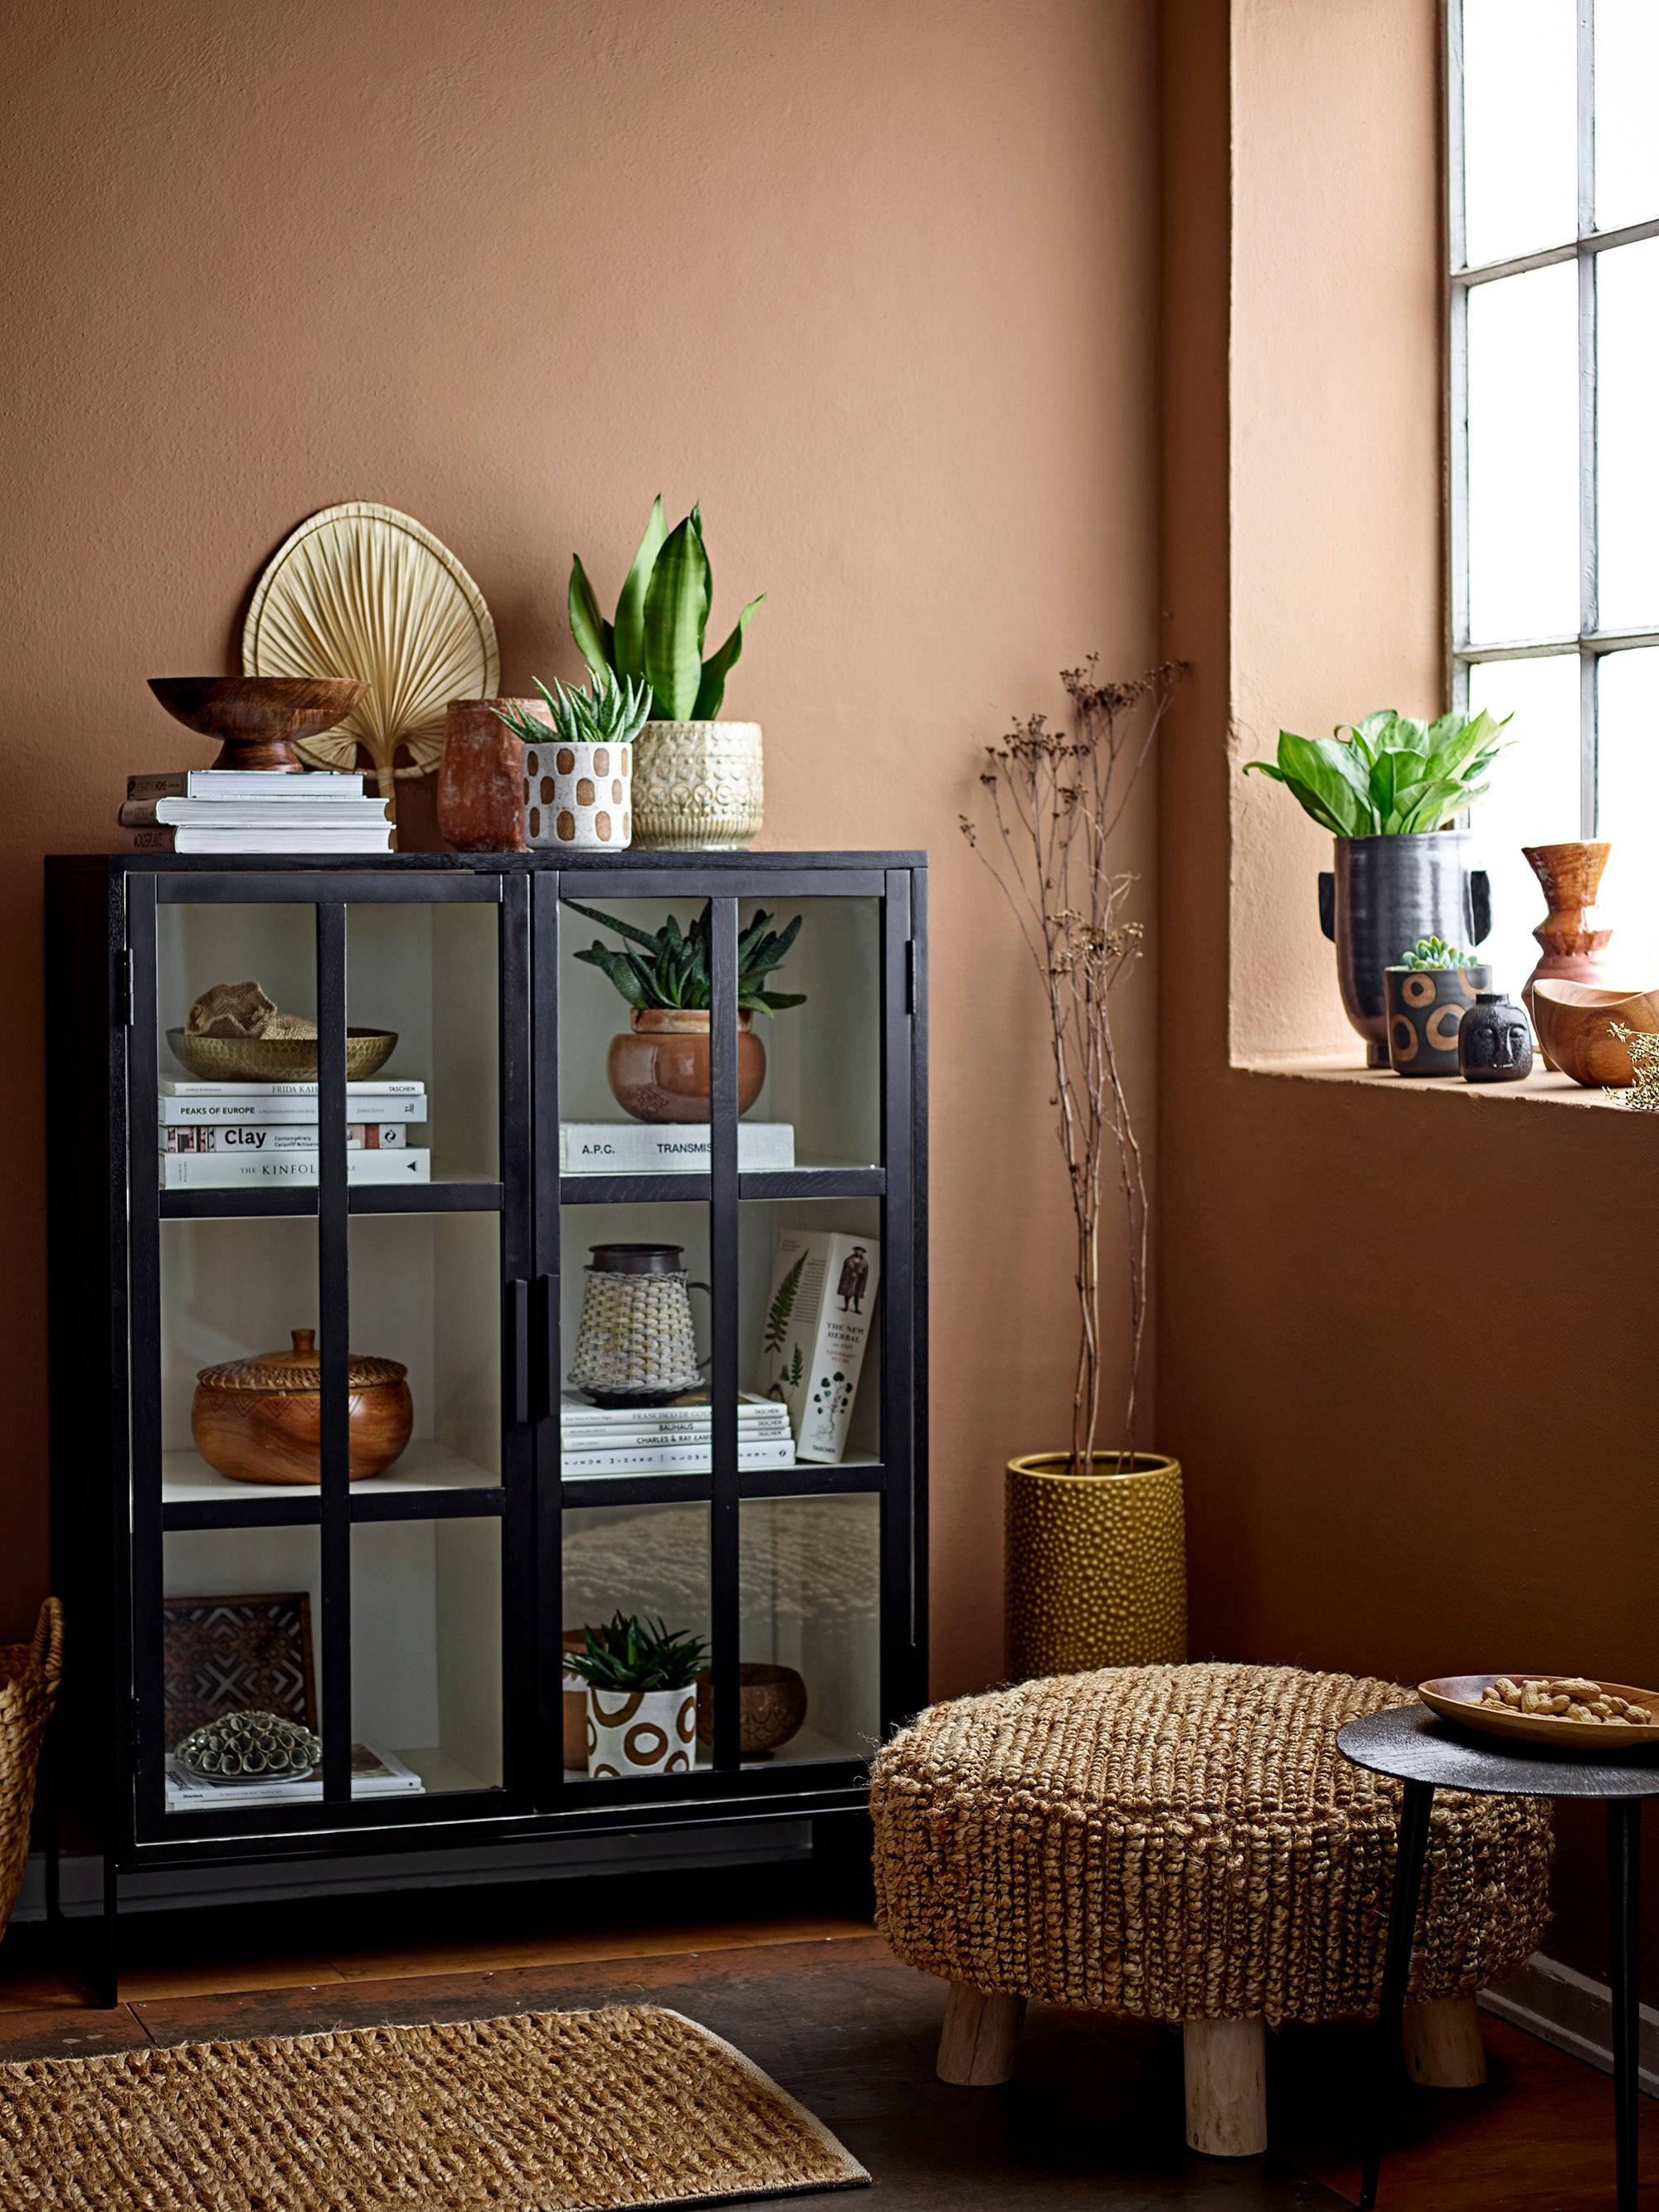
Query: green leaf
622	929
711	691
628	653
675	609
1317	766
1309	803
618	967
588	627
776	1001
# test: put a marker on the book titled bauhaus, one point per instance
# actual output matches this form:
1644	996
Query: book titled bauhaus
816	1330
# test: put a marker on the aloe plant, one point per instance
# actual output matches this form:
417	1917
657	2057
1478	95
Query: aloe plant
657	637
613	714
672	968
626	1653
1434	952
1391	776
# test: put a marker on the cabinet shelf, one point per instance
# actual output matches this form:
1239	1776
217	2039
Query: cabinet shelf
428	1483
809	1181
799	1481
455	1194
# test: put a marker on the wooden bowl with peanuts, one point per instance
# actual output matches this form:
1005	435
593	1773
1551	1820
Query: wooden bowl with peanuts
1572	1711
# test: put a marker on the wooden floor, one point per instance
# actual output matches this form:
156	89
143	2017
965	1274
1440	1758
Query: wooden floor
1092	2118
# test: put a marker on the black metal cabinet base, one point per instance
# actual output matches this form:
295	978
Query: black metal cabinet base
424	1609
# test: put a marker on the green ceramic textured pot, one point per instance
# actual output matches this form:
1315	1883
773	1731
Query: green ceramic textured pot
1426	1009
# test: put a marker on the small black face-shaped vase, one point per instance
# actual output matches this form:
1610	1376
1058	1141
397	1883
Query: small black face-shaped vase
1494	1043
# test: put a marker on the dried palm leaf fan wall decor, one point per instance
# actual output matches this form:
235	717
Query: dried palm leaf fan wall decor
363	591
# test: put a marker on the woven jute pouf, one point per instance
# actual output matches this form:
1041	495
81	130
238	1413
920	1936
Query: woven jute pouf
28	1688
1186	1843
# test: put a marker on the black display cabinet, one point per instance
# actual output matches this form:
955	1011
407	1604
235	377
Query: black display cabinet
436	1593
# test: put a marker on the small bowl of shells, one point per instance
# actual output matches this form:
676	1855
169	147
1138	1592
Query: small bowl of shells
1574	1712
244	1747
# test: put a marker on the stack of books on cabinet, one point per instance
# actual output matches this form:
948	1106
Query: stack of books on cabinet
625	1440
228	1136
236	810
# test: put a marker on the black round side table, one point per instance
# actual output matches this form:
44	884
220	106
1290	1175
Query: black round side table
1427	1754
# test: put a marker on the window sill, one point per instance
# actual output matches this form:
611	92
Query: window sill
1541	1085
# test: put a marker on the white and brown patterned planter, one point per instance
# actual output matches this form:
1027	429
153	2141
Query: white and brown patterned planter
633	1733
697	787
577	797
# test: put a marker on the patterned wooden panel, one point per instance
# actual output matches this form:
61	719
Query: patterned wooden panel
236	1654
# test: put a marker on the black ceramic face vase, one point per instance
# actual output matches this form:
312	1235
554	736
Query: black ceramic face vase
1425	1008
1494	1041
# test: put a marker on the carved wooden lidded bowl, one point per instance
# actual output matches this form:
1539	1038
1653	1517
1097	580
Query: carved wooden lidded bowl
261	1420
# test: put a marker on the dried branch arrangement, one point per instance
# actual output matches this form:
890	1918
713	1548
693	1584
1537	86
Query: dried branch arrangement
1056	798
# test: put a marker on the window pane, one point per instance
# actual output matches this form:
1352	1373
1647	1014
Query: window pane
1523	457
1627	144
1534	799
1627	434
1627	809
1520	126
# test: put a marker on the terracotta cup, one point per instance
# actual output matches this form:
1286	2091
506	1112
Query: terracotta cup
481	776
659	1070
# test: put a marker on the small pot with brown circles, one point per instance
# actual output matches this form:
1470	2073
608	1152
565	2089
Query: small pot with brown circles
632	1734
1426	1009
578	798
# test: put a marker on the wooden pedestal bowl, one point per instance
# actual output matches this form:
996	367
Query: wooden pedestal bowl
257	718
1575	1027
261	1420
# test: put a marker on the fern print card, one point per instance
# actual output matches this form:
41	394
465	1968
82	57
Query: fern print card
817	1324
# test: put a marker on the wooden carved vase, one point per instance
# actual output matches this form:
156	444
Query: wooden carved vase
1571	939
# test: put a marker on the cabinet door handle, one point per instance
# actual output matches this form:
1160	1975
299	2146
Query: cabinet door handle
546	1323
517	1311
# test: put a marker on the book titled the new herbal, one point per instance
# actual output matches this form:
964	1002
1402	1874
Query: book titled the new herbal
817	1325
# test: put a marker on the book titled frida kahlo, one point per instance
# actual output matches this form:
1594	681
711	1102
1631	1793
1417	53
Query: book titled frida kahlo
817	1325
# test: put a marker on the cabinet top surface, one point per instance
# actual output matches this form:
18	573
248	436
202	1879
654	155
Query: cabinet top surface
715	863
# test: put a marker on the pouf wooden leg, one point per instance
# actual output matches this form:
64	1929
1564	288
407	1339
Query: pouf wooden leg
1442	2044
977	2043
1227	2087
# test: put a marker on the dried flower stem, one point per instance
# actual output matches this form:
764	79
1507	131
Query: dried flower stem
1055	799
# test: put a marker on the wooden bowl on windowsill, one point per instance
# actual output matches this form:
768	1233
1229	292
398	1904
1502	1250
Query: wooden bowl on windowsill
1575	1027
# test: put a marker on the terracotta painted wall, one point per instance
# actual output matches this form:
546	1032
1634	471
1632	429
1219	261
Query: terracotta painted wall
874	282
1406	1331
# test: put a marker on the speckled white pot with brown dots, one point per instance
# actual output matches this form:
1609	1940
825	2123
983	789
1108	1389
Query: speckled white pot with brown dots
578	799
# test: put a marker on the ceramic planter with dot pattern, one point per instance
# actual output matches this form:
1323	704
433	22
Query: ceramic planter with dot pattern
578	798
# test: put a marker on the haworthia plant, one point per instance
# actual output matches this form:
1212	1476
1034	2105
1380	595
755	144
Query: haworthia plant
613	714
671	966
662	615
1434	952
1391	776
626	1653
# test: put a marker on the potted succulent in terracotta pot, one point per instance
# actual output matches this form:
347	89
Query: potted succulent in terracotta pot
641	1679
1387	793
659	1070
1428	993
697	780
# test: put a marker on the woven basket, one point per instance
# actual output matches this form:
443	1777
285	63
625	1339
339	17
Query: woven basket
29	1687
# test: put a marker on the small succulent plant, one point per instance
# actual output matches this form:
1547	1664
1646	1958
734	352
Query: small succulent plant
626	1653
253	1746
613	714
661	617
672	968
1434	952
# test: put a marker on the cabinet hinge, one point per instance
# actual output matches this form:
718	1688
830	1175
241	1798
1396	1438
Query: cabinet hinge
124	987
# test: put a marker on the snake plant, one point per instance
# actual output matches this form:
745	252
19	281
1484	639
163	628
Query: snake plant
1391	776
626	1653
671	968
614	714
657	637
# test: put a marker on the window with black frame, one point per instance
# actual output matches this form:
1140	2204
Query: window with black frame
1553	569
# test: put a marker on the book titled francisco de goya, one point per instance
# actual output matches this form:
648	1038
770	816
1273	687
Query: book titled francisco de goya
817	1325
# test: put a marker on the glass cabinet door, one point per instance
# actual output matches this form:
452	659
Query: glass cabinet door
330	1389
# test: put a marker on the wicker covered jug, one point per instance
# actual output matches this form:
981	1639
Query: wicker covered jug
29	1674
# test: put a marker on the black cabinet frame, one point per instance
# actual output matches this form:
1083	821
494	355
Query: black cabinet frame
108	1517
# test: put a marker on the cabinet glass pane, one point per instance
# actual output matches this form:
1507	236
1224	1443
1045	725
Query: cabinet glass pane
428	974
1627	806
425	1292
1534	799
810	1321
1628	435
226	1123
624	1336
255	1647
649	1561
1520	126
229	1291
426	1656
1627	144
811	1572
1523	457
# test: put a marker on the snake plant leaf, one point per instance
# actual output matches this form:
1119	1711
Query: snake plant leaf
770	1002
676	611
711	691
628	636
622	929
615	965
588	627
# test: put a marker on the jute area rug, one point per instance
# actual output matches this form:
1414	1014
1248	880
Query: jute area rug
571	2111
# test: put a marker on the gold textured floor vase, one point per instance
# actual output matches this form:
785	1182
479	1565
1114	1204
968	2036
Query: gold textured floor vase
1096	1565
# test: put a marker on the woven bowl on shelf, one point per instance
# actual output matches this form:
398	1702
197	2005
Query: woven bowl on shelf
278	1059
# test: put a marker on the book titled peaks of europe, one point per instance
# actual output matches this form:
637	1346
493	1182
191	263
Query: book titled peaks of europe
817	1326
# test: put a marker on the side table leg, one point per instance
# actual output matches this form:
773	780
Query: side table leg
1410	1851
1624	1918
